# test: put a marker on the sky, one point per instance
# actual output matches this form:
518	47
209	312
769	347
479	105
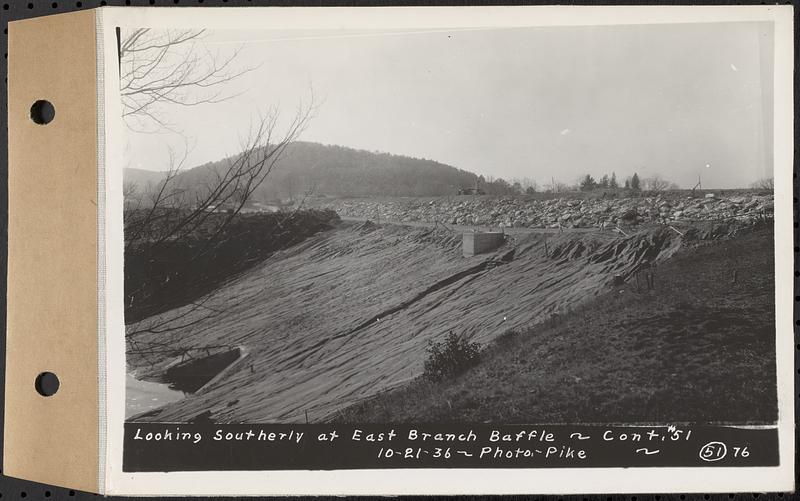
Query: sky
682	101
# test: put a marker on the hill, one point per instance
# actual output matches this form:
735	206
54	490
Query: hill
337	171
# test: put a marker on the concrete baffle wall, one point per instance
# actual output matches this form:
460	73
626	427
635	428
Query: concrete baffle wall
478	243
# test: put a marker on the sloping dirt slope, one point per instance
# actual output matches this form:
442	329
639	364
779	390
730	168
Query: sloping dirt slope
349	313
699	348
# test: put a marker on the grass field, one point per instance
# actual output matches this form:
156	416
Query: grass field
698	348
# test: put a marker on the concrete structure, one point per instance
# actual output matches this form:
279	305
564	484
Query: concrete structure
478	243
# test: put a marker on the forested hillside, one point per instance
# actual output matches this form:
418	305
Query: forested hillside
312	168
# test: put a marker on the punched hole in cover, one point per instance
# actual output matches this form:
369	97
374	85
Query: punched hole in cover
47	384
43	112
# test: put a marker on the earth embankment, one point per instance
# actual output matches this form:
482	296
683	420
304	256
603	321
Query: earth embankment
348	313
697	347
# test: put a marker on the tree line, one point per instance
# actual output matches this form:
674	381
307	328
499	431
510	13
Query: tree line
517	186
634	182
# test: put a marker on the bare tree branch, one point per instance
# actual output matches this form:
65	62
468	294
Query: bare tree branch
177	212
171	67
181	221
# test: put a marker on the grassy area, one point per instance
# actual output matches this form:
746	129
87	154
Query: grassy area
699	348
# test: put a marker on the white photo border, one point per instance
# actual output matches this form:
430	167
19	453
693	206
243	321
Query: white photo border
563	481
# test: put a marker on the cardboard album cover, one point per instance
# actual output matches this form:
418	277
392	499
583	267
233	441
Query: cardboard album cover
409	250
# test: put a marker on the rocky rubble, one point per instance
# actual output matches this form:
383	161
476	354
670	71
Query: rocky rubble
520	212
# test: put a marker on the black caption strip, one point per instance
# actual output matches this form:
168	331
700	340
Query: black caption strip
199	447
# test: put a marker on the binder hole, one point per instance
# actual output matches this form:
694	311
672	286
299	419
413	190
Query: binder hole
47	384
43	112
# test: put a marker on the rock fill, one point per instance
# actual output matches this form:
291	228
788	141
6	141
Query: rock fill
525	212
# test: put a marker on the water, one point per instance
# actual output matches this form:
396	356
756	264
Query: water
142	396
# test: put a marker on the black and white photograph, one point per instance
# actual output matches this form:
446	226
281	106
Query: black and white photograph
549	224
355	249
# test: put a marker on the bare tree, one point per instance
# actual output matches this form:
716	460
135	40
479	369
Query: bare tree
560	187
765	184
180	210
529	185
170	67
159	70
658	184
175	211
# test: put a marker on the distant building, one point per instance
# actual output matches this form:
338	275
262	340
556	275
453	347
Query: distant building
471	191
